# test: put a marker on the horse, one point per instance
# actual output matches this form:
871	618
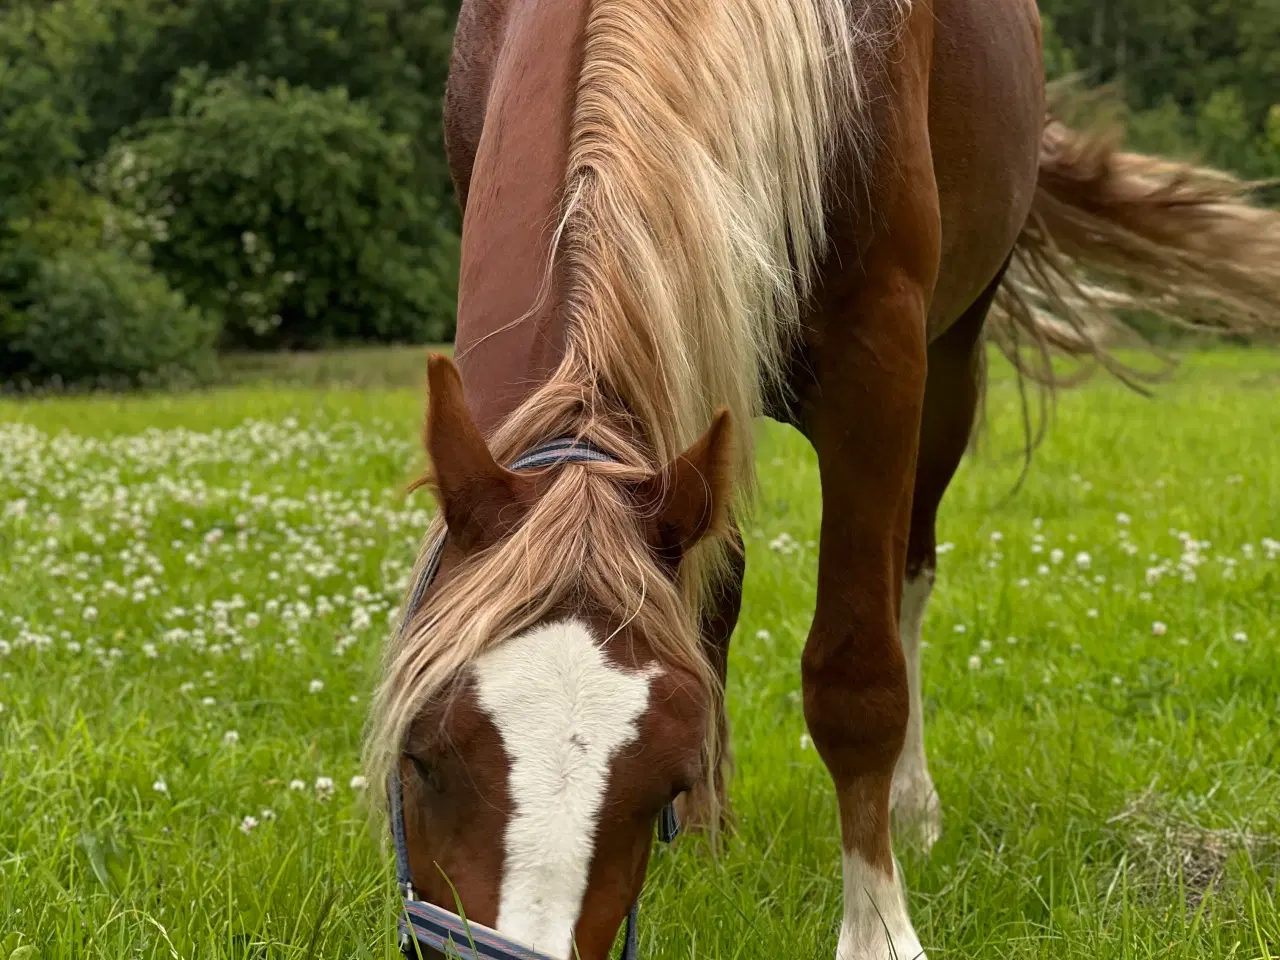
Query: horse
678	216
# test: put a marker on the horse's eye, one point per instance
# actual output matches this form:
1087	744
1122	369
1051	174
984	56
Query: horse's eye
430	779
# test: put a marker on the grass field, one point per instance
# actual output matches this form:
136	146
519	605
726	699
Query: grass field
193	589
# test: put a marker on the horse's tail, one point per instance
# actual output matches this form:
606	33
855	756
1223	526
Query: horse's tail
1116	239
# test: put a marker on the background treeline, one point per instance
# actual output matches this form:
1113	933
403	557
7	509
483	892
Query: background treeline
183	176
1201	77
178	176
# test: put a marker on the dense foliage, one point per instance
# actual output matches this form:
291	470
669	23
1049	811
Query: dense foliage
290	212
279	164
100	317
1202	77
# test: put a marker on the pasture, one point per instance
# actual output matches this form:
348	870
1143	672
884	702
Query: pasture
193	590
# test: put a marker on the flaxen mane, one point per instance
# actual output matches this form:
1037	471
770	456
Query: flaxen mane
693	216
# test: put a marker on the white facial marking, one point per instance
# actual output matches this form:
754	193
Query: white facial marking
913	797
876	925
563	711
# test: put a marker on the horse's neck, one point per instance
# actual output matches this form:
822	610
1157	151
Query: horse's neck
512	210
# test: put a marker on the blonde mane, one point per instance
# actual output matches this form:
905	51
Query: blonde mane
692	221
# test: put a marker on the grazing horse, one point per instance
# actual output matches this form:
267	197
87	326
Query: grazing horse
680	215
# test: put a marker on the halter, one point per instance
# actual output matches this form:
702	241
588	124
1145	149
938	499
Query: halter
434	927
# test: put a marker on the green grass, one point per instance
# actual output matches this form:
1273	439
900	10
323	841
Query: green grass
1108	792
355	367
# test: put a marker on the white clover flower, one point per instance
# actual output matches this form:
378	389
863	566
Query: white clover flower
160	786
150	651
324	787
358	782
975	662
248	823
984	646
315	686
251	620
783	543
1122	519
1083	560
1159	629
959	628
230	738
208	702
1056	555
296	784
267	814
1240	637
805	741
90	613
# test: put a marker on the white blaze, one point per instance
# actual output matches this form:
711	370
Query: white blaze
563	711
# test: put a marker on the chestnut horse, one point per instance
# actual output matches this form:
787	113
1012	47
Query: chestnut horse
680	215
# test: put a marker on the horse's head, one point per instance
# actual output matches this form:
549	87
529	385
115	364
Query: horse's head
550	696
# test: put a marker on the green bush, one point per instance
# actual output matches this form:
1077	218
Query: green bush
59	218
291	212
101	317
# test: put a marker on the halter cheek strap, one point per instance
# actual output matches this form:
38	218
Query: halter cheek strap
423	925
453	935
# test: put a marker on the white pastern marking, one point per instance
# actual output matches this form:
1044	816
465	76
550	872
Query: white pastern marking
913	796
563	711
876	925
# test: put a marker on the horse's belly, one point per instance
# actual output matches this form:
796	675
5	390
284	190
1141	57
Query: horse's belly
986	113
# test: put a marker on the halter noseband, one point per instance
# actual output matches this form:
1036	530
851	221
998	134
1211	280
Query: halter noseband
425	925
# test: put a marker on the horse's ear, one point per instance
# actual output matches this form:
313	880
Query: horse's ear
693	491
481	500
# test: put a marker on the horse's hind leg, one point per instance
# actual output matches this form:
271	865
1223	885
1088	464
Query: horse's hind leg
951	397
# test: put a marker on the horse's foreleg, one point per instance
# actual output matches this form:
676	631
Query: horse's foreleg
952	393
864	423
